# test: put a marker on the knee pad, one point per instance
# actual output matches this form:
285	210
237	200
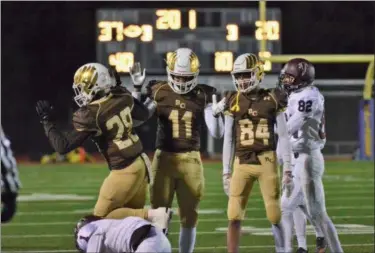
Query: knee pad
235	210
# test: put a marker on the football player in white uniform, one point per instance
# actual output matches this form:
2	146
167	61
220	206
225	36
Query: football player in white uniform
294	214
132	234
306	124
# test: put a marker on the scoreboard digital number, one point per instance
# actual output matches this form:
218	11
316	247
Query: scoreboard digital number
217	36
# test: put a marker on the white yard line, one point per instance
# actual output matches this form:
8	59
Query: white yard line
171	233
24	224
196	248
202	211
328	196
336	183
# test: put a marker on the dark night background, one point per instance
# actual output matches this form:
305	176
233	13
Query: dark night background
43	43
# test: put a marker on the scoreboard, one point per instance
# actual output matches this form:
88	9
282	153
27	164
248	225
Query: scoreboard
217	36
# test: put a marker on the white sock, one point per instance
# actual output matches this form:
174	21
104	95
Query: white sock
279	238
300	226
187	239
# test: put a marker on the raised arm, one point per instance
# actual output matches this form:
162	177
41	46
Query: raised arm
63	141
138	78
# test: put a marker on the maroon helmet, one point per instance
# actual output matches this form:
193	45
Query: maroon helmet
296	74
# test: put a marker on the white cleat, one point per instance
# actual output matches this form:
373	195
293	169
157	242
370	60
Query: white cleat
160	218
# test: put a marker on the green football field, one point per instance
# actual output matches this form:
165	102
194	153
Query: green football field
54	197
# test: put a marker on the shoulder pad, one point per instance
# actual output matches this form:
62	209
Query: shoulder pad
152	84
84	119
120	90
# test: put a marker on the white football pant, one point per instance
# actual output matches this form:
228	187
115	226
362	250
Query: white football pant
156	242
293	208
310	169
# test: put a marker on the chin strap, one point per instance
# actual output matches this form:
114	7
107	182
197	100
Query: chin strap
236	106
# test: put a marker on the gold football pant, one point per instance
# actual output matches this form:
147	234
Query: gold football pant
123	192
242	182
181	173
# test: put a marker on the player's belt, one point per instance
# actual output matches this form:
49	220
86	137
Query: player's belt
139	235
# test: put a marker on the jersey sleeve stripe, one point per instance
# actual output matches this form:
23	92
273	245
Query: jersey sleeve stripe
157	90
274	99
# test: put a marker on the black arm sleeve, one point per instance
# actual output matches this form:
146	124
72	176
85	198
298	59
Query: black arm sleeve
64	141
140	111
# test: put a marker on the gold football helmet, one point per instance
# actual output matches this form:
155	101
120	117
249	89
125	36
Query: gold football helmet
182	69
89	80
248	72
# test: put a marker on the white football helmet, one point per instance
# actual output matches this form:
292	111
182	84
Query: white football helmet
183	69
90	79
248	72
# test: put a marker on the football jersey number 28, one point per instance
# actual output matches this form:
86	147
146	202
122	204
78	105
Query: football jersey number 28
124	123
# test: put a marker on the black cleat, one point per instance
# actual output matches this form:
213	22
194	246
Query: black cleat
321	245
301	250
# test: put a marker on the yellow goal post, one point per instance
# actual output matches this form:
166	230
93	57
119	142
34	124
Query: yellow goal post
366	111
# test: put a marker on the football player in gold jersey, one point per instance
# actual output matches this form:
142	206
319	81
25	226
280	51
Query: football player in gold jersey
182	107
249	141
107	115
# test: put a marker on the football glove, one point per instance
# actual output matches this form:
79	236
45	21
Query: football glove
288	184
137	76
226	183
217	108
44	110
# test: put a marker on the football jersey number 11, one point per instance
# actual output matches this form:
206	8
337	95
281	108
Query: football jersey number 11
187	118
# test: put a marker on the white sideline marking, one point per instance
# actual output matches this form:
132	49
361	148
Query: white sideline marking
202	211
346	178
196	248
52	197
15	224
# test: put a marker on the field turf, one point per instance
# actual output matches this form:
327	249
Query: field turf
54	197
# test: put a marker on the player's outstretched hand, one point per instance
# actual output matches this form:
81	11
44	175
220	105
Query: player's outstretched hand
288	184
44	110
138	77
217	108
226	183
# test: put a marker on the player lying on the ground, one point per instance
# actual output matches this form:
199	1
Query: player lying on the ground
294	206
306	124
132	234
182	107
10	182
249	138
106	115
